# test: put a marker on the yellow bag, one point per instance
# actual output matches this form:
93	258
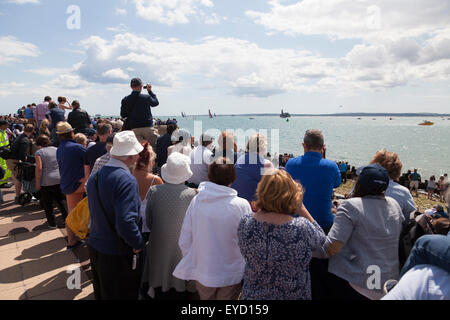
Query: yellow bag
78	219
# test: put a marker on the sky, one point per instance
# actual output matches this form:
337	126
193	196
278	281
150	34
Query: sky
233	56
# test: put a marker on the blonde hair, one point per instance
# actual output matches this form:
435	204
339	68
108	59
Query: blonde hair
81	139
390	161
278	192
257	144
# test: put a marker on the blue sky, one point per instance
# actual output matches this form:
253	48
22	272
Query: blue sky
251	56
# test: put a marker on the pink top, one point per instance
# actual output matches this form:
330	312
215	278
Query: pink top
40	111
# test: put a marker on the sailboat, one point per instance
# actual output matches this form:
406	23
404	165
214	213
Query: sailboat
210	114
183	114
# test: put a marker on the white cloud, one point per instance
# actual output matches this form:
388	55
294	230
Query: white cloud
24	1
49	72
120	28
11	50
357	19
402	41
247	69
116	74
171	12
121	12
241	66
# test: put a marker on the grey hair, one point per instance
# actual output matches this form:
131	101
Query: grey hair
314	139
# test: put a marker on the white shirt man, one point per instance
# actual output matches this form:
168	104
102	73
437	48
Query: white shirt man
201	158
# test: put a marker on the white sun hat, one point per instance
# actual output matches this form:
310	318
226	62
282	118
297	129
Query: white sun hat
177	170
126	144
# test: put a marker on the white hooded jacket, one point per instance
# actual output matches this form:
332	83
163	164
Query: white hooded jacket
209	239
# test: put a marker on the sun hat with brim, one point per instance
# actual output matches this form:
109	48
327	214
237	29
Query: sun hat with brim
125	143
63	127
177	170
373	178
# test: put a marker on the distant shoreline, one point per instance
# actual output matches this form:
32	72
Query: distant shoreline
445	115
404	115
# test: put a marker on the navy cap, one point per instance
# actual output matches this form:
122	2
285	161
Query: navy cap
171	122
90	132
373	178
136	82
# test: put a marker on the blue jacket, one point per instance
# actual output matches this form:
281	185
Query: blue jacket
140	115
119	195
70	156
248	175
318	177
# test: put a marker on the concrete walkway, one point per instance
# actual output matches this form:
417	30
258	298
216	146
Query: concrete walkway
34	262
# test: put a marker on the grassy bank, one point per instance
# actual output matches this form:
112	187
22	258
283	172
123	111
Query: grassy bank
422	202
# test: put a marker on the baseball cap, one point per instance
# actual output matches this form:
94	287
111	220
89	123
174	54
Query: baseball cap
3	122
206	137
90	132
373	178
136	82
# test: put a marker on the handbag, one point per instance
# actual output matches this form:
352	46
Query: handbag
78	219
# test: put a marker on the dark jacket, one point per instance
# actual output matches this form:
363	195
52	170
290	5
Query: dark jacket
137	108
119	196
162	144
21	148
79	120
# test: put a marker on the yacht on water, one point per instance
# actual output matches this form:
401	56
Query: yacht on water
426	123
284	114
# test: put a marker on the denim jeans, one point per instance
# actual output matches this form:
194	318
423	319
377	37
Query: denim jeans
429	249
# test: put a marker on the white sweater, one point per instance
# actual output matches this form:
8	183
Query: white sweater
209	240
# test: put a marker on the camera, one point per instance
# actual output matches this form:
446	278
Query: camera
145	87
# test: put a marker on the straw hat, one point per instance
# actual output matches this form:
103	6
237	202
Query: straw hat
177	170
63	127
126	144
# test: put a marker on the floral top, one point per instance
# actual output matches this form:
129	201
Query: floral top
277	258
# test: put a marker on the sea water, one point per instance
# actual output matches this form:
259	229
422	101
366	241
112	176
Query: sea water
349	139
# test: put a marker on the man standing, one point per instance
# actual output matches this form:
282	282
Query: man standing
20	150
79	119
137	109
414	179
200	161
98	149
343	169
29	114
70	156
41	110
163	143
4	142
319	177
115	239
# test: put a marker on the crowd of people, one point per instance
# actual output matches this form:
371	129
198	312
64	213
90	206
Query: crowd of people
171	217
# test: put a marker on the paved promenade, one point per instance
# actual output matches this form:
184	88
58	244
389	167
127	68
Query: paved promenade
34	262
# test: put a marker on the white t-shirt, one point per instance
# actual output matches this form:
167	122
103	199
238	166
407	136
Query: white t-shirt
200	161
423	282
